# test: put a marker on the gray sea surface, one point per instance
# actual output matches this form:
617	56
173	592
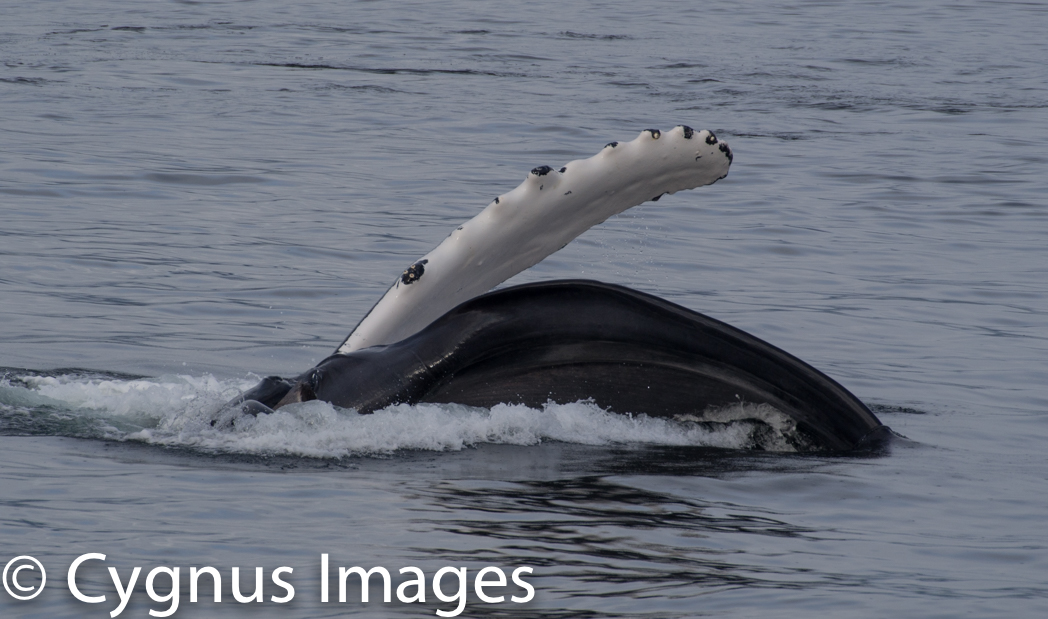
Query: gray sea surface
196	194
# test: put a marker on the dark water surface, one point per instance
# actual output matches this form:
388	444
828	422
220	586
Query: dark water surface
194	194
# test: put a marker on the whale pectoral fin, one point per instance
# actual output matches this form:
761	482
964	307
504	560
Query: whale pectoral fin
549	209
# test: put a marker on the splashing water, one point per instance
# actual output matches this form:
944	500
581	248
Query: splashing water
177	411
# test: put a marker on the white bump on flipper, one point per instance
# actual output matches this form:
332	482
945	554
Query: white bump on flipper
549	209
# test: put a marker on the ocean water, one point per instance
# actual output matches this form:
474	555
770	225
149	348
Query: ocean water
196	194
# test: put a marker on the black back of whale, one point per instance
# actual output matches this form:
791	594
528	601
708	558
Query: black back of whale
571	340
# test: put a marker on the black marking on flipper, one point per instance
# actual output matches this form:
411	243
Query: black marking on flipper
414	272
655	133
611	144
656	198
711	139
568	193
564	169
727	152
496	202
542	170
688	132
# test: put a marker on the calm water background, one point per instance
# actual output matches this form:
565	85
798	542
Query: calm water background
193	192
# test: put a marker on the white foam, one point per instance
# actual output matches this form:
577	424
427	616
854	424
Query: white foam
177	411
133	397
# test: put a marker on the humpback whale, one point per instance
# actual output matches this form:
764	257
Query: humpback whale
440	334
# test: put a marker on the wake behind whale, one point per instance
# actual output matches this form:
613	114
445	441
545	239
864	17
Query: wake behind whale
439	336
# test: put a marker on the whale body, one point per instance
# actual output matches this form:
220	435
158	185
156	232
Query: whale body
439	336
570	340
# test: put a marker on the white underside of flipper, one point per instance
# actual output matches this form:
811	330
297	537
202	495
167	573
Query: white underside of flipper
542	215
